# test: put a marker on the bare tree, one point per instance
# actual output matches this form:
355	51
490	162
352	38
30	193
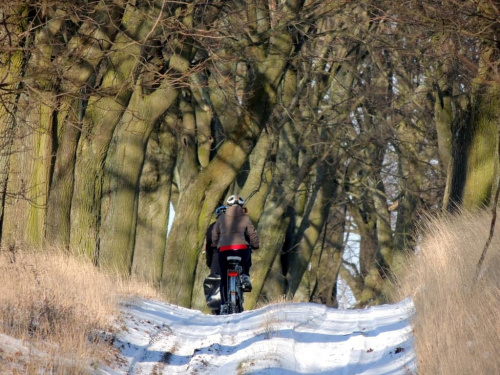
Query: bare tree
319	113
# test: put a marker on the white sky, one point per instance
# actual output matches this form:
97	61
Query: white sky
300	338
171	217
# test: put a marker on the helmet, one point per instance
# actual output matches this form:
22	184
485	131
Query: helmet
220	210
235	199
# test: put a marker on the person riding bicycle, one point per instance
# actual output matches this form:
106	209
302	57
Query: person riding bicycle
235	235
211	284
212	259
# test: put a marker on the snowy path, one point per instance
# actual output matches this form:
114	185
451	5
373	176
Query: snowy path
286	338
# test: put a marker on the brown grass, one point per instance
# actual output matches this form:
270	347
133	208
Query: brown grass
457	325
276	300
56	312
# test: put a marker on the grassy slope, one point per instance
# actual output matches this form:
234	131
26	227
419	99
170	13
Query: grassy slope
58	308
456	327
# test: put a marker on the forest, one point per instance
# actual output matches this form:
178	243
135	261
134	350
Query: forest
333	119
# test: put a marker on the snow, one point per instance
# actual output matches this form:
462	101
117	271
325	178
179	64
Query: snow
287	338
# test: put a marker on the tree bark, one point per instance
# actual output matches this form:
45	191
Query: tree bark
102	115
311	227
474	164
327	259
124	162
14	23
30	157
87	48
154	203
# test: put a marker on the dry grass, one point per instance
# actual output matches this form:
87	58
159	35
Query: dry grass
276	300
457	325
56	312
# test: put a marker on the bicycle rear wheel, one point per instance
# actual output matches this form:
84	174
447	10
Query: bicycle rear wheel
232	300
234	293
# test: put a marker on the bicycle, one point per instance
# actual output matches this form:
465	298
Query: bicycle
234	300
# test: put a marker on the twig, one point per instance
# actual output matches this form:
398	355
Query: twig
492	231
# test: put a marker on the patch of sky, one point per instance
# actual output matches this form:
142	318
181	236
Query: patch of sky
345	296
354	121
171	216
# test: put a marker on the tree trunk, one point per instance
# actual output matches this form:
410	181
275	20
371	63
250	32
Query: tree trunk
102	115
30	159
57	230
87	48
474	163
256	187
327	259
443	115
311	227
98	126
187	162
154	203
411	182
10	71
24	216
273	287
288	176
122	169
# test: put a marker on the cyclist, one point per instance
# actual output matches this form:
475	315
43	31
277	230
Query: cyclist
234	235
212	259
211	284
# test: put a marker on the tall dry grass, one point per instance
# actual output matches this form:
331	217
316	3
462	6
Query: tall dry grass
56	312
457	324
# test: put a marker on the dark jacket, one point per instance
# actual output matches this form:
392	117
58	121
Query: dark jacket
211	252
234	228
209	249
